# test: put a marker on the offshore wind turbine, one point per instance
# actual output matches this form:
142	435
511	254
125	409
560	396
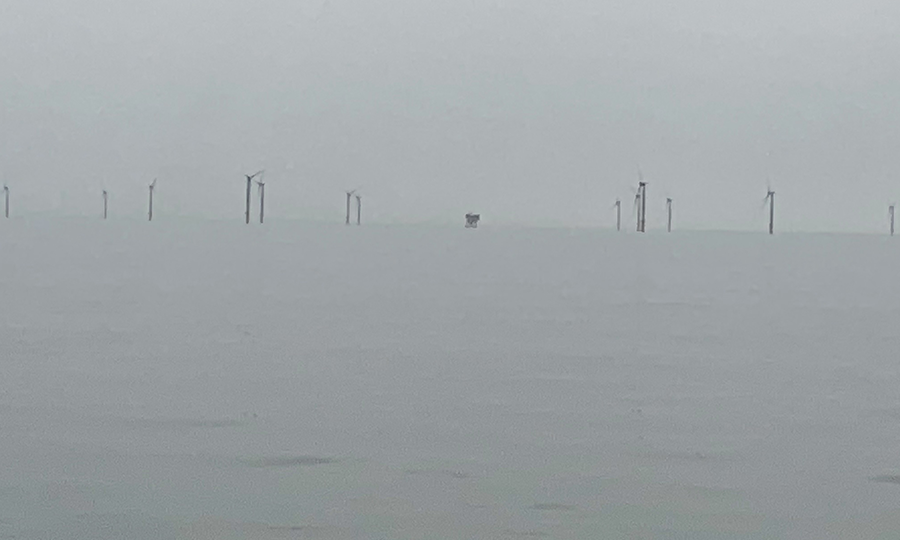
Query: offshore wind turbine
643	188
349	195
891	211
6	194
358	210
618	206
150	213
105	203
770	198
640	202
262	199
250	178
669	211
636	210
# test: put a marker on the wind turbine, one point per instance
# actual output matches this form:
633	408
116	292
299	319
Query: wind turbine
643	186
262	199
618	207
770	198
358	210
891	212
349	195
250	178
669	210
150	213
105	201
637	208
6	193
640	202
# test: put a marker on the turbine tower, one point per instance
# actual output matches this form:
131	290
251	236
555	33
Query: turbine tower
618	206
262	200
643	189
358	210
637	208
770	198
105	203
640	202
669	210
891	212
150	213
349	195
250	178
6	194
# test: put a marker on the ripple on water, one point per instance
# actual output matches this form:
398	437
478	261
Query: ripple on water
886	479
512	533
288	461
179	424
456	475
553	507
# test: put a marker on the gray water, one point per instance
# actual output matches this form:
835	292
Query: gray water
210	380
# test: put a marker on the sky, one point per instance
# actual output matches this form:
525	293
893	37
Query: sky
529	112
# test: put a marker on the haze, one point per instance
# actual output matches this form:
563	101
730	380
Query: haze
529	112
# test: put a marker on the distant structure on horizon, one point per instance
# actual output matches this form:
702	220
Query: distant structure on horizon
358	209
618	207
472	221
770	198
105	201
250	178
640	203
349	198
669	210
150	211
6	193
262	200
891	212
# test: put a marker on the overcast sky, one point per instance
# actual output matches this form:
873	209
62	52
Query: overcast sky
530	112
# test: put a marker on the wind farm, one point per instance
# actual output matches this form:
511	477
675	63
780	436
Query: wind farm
517	336
642	204
492	305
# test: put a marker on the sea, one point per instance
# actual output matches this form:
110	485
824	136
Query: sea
182	379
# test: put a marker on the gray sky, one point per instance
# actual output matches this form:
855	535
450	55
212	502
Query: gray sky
531	112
